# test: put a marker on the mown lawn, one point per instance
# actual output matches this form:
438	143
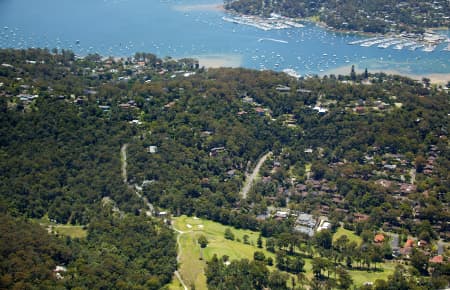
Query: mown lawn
71	231
175	284
191	266
65	230
350	235
193	260
359	277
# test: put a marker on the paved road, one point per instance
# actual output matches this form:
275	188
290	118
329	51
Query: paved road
394	241
251	178
412	172
440	247
123	154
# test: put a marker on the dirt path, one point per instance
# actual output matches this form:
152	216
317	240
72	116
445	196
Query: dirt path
177	274
249	179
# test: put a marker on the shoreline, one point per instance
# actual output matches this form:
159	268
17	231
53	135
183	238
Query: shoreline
322	24
219	60
199	7
435	78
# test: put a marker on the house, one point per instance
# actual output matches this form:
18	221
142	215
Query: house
384	183
304	230
320	109
437	259
125	106
135	122
307	220
231	172
281	88
379	238
407	188
422	243
390	166
324	224
260	111
360	217
58	270
104	108
216	150
360	110
169	105
152	149
409	243
162	214
281	214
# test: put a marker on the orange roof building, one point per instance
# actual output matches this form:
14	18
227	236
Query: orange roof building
379	238
409	243
437	259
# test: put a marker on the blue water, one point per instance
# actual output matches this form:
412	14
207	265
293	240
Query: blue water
166	28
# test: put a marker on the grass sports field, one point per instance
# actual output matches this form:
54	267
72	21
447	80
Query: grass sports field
193	260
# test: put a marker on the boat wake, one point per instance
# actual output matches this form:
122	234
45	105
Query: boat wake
272	39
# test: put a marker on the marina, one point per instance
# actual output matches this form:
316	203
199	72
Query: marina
273	22
429	41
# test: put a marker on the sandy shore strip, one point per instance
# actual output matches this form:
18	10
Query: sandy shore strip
436	78
219	60
199	7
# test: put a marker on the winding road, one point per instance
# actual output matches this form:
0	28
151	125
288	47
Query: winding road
123	154
137	189
249	179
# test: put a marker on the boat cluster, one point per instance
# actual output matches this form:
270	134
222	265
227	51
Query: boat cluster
427	42
275	21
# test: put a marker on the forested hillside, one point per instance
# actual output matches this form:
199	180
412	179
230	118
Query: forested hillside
367	152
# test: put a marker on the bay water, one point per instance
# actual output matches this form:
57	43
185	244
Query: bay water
183	28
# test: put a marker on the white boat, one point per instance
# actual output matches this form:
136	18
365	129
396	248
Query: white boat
292	73
414	47
429	48
360	41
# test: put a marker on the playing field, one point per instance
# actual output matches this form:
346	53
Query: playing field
193	260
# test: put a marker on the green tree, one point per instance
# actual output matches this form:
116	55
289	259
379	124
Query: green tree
270	245
277	280
202	241
259	256
229	234
419	261
324	239
245	239
318	265
259	242
344	279
353	73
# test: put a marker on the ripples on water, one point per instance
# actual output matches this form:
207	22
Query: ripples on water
183	29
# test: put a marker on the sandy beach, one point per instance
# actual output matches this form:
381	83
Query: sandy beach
199	7
219	60
435	78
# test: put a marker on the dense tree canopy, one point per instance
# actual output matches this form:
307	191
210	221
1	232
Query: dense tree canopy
369	151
